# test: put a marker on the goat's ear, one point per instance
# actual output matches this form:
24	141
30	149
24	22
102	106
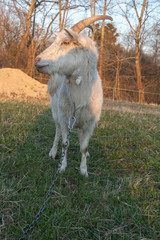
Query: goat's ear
72	37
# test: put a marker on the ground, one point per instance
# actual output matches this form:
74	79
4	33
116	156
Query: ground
16	85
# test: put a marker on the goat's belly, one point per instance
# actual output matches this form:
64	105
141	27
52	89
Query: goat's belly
96	107
84	117
96	99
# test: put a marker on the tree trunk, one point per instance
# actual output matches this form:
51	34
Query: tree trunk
25	36
138	64
116	91
102	43
31	56
139	75
93	9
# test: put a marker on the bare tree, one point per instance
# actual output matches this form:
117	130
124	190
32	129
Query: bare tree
27	28
141	10
37	36
10	33
156	45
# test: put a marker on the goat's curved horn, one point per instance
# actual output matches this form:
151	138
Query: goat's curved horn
84	23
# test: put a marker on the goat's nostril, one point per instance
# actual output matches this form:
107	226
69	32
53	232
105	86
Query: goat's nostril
37	59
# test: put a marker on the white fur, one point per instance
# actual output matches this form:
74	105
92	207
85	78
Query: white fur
74	85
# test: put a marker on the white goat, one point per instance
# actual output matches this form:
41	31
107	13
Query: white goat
74	86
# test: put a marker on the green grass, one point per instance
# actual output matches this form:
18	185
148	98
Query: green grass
119	200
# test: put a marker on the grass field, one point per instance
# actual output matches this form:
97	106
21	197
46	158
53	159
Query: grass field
119	200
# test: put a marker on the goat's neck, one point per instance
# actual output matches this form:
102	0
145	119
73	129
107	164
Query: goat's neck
80	87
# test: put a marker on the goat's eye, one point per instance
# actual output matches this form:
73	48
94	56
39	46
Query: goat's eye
65	42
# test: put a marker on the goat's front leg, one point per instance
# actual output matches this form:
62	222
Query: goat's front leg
53	150
65	145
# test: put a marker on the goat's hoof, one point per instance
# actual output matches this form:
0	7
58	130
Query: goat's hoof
84	172
52	154
63	169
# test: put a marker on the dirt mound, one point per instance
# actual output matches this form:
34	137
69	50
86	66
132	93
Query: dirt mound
15	84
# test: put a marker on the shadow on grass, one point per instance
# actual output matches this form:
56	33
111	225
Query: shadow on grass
26	169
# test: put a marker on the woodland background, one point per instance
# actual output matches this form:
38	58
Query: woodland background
129	62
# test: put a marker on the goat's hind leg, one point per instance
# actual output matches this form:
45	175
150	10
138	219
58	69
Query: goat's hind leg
53	150
84	137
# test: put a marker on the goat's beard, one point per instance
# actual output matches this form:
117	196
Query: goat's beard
54	83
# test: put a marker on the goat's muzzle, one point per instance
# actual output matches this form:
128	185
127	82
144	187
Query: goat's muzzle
40	65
